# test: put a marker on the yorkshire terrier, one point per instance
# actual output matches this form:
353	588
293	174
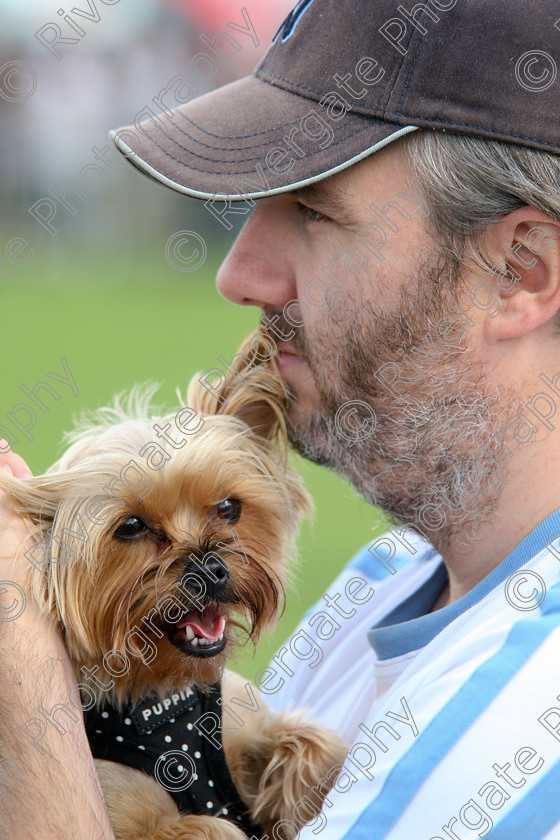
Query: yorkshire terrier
159	541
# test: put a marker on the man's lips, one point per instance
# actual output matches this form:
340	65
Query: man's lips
287	357
286	348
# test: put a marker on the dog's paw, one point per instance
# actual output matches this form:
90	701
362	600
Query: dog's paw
302	767
141	809
197	828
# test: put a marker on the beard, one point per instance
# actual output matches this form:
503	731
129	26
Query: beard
426	448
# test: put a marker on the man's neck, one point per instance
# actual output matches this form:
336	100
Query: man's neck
442	601
531	492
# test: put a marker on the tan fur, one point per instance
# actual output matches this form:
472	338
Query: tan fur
100	588
140	809
276	759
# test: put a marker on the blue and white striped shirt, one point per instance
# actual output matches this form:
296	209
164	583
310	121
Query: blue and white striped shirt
453	716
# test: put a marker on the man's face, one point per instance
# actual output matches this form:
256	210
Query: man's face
426	451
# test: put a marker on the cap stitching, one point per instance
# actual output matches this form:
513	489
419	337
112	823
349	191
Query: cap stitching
293	84
235	137
245	160
410	71
395	59
275	190
260	71
364	112
237	160
314	152
427	119
388	79
470	125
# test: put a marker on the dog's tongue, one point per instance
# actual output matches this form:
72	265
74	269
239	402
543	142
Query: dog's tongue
209	623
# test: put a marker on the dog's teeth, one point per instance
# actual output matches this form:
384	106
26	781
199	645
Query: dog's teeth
200	641
206	642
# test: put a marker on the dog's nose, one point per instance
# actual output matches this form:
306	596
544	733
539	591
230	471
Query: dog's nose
217	571
212	572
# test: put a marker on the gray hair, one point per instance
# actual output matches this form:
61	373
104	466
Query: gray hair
468	182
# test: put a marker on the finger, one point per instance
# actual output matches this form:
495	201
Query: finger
12	462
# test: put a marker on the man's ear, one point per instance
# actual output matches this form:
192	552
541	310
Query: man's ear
525	248
255	393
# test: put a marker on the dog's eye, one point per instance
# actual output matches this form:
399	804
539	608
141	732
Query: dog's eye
133	527
230	509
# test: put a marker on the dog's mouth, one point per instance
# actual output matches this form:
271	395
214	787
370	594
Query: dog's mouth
200	632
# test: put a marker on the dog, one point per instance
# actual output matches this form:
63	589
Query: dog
156	557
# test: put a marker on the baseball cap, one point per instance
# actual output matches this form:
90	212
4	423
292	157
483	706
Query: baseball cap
345	78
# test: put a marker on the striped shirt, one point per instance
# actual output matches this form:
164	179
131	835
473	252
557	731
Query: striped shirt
453	716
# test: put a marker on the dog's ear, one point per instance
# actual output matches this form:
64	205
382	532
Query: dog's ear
37	499
253	391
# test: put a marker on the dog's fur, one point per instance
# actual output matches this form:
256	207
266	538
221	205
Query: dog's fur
101	587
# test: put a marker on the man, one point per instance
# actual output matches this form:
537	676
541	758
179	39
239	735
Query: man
411	280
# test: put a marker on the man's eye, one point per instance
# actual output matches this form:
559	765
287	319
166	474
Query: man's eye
310	214
131	528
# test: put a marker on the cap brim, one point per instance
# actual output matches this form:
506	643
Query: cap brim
250	139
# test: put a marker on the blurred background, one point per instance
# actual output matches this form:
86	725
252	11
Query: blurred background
92	284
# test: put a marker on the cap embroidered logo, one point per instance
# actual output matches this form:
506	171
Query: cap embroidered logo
291	21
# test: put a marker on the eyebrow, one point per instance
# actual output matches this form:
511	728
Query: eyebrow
325	197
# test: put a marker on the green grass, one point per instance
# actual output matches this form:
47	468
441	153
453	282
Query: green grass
123	323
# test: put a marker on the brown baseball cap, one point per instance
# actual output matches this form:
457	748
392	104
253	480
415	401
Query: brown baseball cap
344	78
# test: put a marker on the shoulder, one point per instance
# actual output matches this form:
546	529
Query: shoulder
389	553
468	737
331	640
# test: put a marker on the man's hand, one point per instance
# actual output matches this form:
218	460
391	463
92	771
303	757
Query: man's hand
48	784
13	533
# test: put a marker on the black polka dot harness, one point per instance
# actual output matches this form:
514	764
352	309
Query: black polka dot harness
164	737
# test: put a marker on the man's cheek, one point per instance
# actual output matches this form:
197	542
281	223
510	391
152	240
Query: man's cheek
320	294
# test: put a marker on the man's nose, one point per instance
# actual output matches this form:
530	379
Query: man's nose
257	272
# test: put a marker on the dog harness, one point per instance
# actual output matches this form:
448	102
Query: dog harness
176	738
